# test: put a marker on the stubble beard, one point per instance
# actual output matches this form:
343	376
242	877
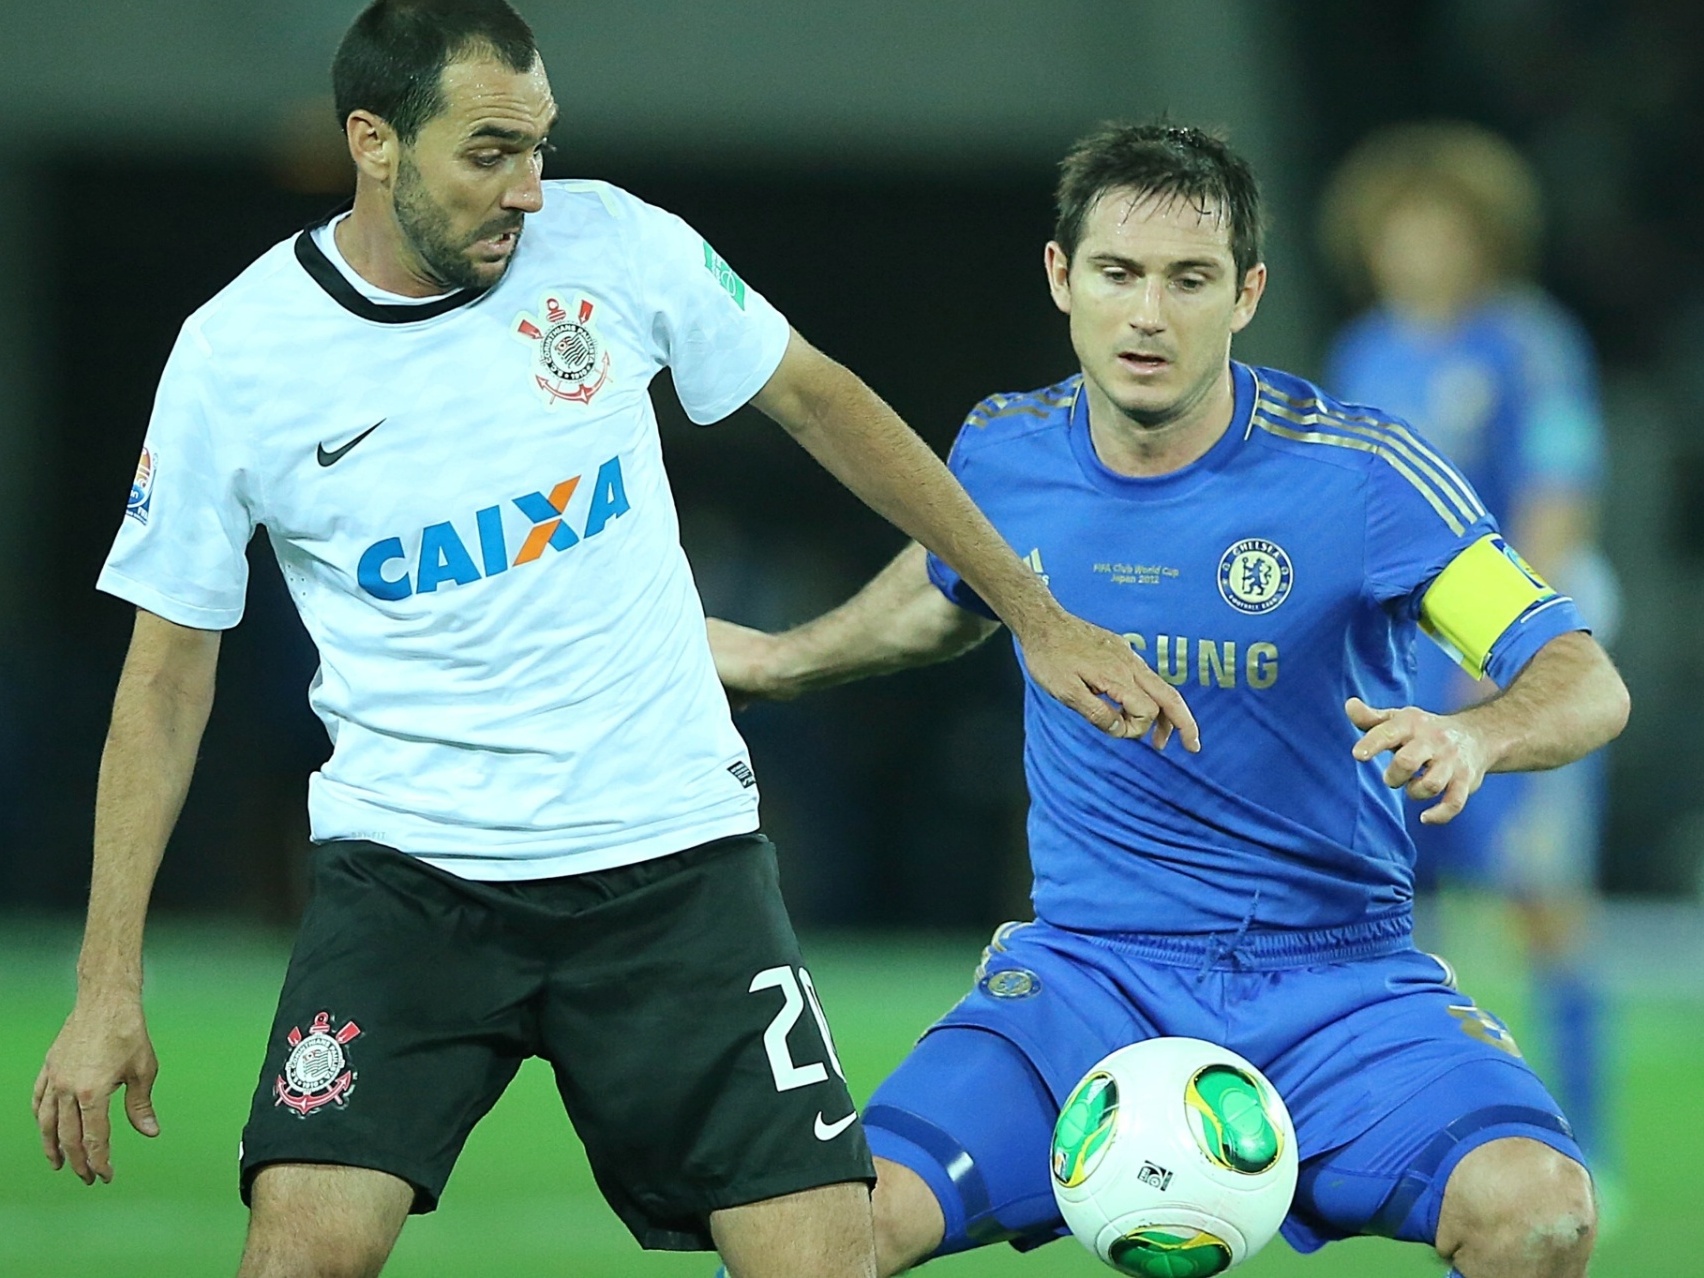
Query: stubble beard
429	231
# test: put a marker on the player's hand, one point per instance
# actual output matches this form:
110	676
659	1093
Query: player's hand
1432	755
103	1046
1099	676
745	663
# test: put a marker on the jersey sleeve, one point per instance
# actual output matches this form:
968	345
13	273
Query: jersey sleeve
720	337
181	547
1435	555
944	576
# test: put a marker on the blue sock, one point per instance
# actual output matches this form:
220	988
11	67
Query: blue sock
1570	1009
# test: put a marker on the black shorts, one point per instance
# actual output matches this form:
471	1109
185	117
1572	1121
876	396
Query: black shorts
668	996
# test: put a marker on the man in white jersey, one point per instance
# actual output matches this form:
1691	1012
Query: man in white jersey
538	824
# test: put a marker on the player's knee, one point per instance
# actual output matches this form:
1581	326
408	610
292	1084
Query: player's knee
909	1223
1518	1206
302	1254
322	1222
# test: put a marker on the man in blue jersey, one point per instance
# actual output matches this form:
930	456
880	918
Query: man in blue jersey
1439	222
1275	554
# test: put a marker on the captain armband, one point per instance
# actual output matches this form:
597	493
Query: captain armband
1481	593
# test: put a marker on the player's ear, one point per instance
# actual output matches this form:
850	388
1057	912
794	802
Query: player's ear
373	145
1248	300
1058	265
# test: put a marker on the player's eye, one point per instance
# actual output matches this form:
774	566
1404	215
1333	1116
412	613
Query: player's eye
1191	283
487	159
1115	274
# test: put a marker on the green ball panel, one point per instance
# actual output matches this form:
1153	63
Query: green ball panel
1231	1120
1165	1253
1084	1129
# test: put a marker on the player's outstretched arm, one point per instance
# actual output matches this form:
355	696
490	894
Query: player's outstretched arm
898	620
863	443
1564	704
158	715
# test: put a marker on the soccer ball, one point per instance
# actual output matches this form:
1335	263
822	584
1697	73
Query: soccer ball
1174	1158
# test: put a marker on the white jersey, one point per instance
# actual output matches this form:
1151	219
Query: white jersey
467	499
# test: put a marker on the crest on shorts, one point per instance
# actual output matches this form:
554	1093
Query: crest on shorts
141	489
317	1072
570	361
1012	982
1255	575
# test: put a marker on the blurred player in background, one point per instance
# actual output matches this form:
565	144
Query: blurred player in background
1276	553
1440	223
539	825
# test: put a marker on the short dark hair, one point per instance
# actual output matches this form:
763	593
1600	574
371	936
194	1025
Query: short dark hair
391	60
1165	160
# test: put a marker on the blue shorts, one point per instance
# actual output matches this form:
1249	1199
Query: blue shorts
1390	1074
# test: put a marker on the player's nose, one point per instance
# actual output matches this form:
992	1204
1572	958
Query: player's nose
1147	312
527	194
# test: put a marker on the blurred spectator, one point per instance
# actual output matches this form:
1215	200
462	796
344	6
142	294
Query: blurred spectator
1439	225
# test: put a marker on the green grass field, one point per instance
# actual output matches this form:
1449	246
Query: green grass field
522	1201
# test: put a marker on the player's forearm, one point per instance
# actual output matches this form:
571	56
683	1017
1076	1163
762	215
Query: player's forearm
146	765
865	445
897	621
1566	703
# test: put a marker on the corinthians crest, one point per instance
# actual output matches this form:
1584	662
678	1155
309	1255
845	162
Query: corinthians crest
570	361
317	1070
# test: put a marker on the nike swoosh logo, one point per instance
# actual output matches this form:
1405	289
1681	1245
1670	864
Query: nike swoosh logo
828	1131
335	455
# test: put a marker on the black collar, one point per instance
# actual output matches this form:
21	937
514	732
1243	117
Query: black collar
320	268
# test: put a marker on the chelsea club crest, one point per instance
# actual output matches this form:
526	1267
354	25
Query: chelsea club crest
1255	575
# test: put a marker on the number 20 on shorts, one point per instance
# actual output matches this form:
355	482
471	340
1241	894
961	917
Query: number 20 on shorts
788	1072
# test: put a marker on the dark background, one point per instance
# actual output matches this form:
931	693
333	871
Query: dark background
898	801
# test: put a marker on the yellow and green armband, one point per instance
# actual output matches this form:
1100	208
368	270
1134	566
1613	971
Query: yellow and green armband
1479	595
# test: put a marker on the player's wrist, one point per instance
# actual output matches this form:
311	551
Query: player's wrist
795	662
107	984
1032	618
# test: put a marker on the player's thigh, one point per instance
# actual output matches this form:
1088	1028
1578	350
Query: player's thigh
815	1233
971	1110
908	1220
319	1221
1391	1179
693	1052
970	1117
402	1018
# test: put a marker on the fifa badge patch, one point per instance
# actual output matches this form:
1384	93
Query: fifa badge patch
1255	576
317	1072
141	489
1012	982
570	364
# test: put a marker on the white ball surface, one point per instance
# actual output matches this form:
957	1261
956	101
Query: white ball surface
1174	1158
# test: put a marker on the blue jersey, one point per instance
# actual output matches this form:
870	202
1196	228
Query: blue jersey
1509	394
1272	579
